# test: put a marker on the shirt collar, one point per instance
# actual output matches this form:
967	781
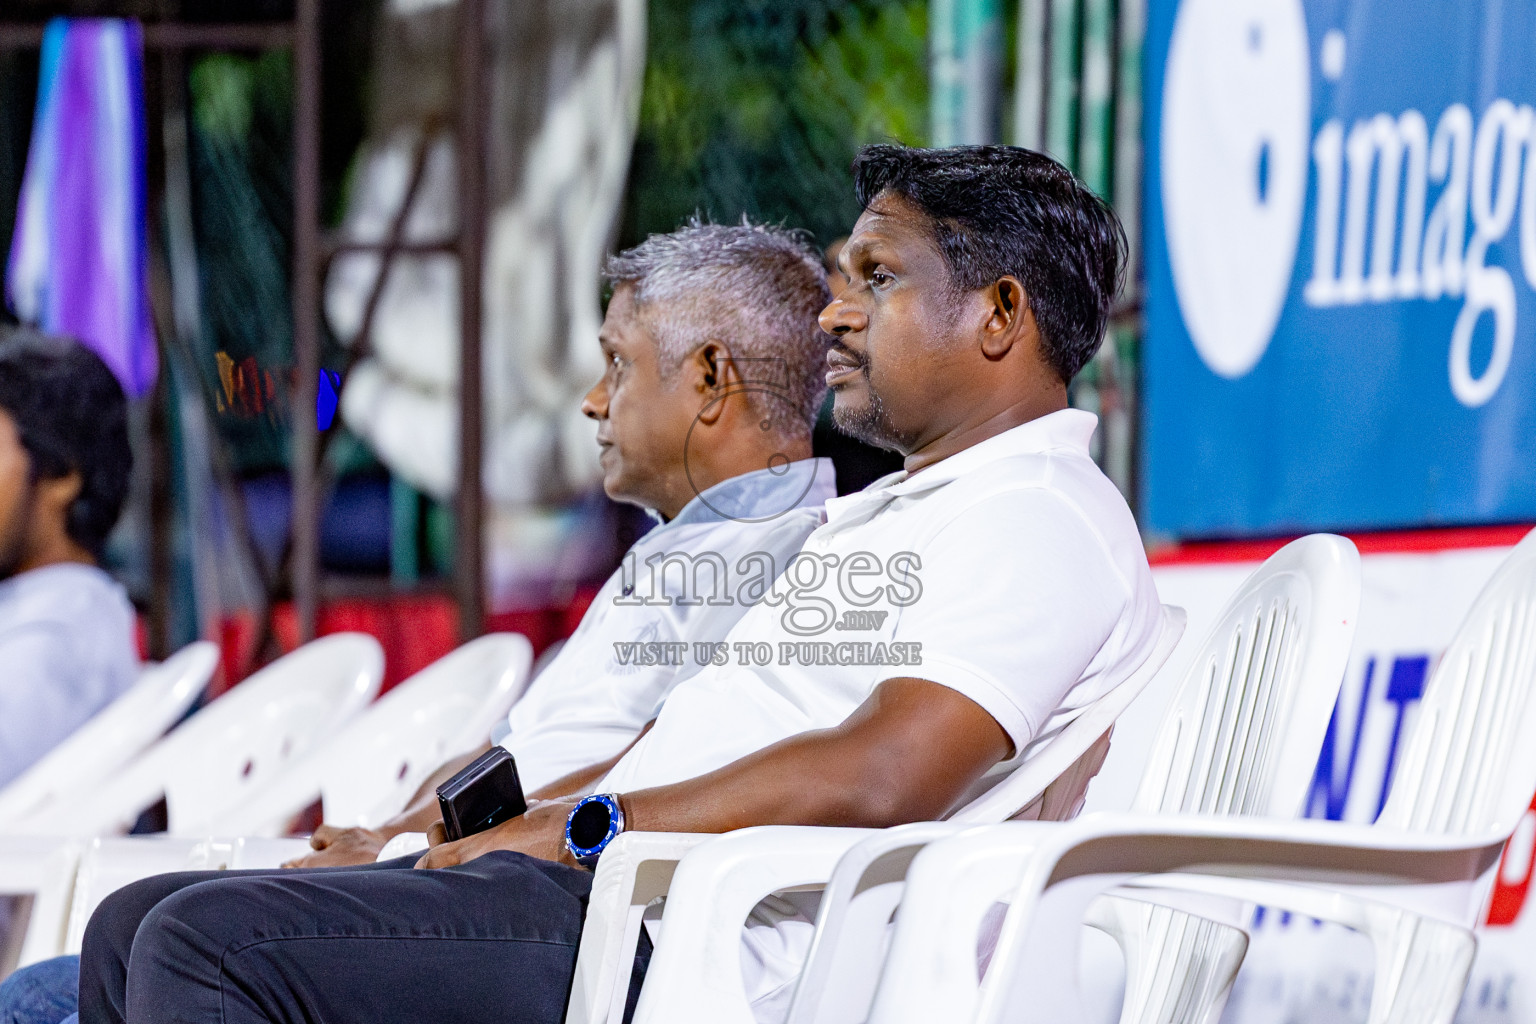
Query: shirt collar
1063	430
762	494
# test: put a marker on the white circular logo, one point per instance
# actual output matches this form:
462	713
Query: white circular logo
1236	122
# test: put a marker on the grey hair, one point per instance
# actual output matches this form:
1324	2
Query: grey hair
756	288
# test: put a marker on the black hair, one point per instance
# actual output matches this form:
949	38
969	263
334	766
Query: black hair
71	416
1003	211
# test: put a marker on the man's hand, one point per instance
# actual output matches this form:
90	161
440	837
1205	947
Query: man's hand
538	832
339	847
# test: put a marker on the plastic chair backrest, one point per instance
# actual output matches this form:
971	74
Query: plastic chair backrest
250	734
1242	734
1470	765
114	735
1030	780
447	708
244	737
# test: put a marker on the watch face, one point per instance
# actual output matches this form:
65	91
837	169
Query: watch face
589	824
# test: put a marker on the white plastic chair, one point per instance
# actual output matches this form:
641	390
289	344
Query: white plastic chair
227	751
363	776
1415	882
1422	963
1251	711
43	869
705	974
113	736
368	772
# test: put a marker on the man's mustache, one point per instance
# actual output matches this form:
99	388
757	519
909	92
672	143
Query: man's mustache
852	356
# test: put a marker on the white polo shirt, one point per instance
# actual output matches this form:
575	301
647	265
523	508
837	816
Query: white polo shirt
1011	572
677	587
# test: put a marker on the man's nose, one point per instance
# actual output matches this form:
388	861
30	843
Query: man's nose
840	318
595	405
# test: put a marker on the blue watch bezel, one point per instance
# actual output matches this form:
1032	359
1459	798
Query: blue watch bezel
588	855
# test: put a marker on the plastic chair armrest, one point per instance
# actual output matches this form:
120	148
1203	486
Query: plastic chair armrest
636	868
843	962
45	869
1064	866
695	973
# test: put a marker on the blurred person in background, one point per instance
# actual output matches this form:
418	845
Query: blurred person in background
714	371
66	628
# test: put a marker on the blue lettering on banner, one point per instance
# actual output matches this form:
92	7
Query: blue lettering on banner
1340	264
1339	773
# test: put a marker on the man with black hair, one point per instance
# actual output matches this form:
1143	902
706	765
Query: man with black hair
66	628
933	633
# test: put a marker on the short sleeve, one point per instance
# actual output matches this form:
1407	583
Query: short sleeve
1018	595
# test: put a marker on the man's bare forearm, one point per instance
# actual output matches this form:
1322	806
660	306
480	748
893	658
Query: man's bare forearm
907	755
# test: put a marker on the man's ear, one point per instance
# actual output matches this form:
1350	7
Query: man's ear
715	374
1009	319
60	492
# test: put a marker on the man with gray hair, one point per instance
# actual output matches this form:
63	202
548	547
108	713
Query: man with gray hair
745	289
714	371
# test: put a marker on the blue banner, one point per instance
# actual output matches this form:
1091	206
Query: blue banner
1340	264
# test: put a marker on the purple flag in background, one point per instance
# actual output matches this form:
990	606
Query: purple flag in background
80	257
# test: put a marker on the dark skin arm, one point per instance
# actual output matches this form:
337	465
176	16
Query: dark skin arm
906	754
338	847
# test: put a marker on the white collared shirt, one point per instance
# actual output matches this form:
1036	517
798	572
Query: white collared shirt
1011	572
616	669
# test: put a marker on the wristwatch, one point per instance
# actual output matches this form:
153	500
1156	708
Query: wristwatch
592	824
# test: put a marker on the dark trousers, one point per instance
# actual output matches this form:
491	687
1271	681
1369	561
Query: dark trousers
493	940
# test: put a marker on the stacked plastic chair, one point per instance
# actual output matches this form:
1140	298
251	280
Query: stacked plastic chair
367	772
362	775
220	756
1415	882
1258	694
113	737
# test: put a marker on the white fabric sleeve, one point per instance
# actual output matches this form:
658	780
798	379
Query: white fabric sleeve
1018	595
37	698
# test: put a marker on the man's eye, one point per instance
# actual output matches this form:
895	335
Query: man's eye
880	278
614	361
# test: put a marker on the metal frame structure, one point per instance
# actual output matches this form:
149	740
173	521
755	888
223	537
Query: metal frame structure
312	254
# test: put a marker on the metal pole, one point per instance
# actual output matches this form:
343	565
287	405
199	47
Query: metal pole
1132	27
306	310
173	36
1029	90
965	64
1061	113
1096	128
469	547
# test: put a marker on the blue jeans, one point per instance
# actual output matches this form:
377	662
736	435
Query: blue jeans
44	993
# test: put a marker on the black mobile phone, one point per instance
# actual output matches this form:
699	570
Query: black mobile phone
483	795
